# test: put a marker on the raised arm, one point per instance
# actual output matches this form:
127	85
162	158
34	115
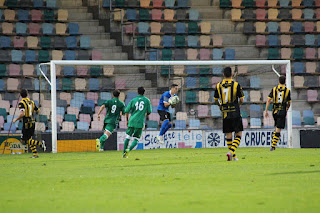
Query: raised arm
100	110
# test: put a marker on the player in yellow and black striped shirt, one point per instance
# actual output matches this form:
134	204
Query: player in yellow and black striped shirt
226	96
281	98
27	107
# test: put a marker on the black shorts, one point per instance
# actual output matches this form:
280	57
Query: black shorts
27	133
232	125
164	115
279	121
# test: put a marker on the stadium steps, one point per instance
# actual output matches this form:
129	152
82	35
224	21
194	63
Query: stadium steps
100	40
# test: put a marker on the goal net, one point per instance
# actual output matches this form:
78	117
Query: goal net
71	93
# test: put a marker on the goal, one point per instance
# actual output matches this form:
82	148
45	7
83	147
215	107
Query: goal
74	91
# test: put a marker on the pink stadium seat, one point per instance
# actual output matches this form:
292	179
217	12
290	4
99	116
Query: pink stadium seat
312	95
131	28
93	96
156	14
34	29
96	55
123	125
85	118
154	117
96	126
5	104
65	96
67	126
215	81
285	40
245	122
204	54
14	70
310	53
19	42
103	112
217	41
120	83
296	14
154	102
80	84
7	28
46	103
261	14
157	3
203	111
317	13
309	27
255	96
155	27
285	53
36	15
82	70
12	84
268	122
311	67
265	94
260	40
260	3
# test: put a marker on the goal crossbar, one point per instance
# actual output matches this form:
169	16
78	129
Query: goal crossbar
53	64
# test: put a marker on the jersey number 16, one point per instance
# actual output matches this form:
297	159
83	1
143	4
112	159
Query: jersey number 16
139	106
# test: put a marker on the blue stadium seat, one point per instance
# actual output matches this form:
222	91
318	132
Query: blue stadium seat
297	27
273	40
23	15
69	71
153	54
255	122
255	111
5	42
88	103
308	3
51	3
131	15
106	3
167	41
169	3
16	56
8	127
194	123
254	82
182	4
180	28
82	125
193	15
85	42
193	41
71	42
191	82
143	27
94	84
132	95
310	40
73	29
2	85
230	54
76	103
191	69
273	27
215	111
30	56
21	28
47	29
37	3
105	95
217	54
10	118
180	124
70	55
217	70
296	118
298	67
308	117
308	14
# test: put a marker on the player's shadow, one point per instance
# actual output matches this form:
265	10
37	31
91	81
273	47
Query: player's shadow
297	172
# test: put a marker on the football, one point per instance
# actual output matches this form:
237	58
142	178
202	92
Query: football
174	100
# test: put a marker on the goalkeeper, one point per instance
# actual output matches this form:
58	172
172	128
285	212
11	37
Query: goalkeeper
114	107
138	108
163	111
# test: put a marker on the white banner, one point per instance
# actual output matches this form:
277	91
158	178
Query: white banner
172	139
203	139
250	138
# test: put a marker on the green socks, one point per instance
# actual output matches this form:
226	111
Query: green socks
134	143
102	140
126	142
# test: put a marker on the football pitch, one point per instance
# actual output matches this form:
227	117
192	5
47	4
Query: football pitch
167	180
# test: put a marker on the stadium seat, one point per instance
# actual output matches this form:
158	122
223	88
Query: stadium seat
62	15
167	41
191	97
8	127
230	54
16	56
193	15
202	111
68	126
5	42
312	95
49	15
255	111
152	125
180	124
255	123
180	28
191	82
192	27
194	124
73	29
156	14
217	54
296	118
3	72
154	117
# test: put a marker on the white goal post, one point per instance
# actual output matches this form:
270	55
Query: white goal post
52	81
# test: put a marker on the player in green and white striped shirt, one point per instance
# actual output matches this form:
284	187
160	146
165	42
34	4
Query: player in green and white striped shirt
138	107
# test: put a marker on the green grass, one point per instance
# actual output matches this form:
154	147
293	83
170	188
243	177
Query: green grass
175	180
